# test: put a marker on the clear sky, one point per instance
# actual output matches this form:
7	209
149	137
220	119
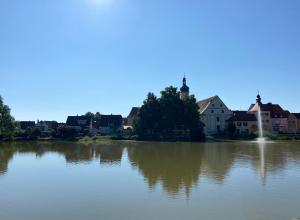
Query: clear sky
67	57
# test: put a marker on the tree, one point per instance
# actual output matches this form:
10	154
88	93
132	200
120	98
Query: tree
7	122
95	117
169	117
149	117
231	130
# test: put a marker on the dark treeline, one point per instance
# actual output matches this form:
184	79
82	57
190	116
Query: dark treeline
7	122
169	117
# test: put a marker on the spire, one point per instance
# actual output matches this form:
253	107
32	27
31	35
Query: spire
258	99
184	90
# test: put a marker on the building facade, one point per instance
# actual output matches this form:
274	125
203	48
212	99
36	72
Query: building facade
294	123
274	117
244	122
80	123
214	114
110	124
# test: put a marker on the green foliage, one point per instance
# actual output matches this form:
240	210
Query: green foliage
95	117
32	133
7	122
66	132
169	117
231	130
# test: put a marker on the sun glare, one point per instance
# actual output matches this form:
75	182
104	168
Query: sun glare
101	2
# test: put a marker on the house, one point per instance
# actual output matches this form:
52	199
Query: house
80	123
128	122
110	124
214	114
23	125
294	123
274	117
244	122
44	126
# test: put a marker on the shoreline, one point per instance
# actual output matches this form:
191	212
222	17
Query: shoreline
108	139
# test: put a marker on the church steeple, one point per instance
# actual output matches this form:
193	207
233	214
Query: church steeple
184	90
258	99
184	80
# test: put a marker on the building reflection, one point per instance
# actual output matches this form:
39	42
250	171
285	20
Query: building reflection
73	152
177	167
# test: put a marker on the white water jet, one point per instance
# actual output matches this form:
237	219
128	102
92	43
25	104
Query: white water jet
260	124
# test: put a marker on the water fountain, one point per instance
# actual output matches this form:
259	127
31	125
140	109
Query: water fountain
261	137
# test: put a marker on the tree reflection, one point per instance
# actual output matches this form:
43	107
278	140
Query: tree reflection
176	166
73	152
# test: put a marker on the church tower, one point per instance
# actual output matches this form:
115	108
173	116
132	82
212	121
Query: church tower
184	90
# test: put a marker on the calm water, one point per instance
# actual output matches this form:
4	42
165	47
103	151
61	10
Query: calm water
140	181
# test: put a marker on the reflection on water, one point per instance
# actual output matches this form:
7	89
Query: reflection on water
239	180
73	152
177	166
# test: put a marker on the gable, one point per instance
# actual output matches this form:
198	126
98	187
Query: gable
213	104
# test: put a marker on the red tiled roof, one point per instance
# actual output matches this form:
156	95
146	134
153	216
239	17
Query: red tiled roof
242	116
276	110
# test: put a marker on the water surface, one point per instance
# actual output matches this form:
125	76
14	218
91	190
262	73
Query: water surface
122	180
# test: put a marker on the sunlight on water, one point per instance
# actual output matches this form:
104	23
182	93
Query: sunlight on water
242	180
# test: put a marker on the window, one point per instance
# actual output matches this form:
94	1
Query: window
223	111
212	111
239	124
218	119
266	114
245	124
221	105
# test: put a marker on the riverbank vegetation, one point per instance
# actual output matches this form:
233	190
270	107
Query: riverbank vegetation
7	122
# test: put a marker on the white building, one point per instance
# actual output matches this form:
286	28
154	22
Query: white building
214	114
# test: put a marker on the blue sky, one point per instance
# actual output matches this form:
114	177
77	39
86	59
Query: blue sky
67	57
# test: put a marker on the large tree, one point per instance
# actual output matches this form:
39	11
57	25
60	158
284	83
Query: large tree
149	117
95	117
7	122
169	117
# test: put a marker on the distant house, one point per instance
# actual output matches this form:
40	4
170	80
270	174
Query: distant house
214	114
274	117
244	122
110	124
294	123
131	117
80	122
44	126
23	125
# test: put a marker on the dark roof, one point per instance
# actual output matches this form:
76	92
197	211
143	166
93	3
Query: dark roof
26	124
203	104
111	120
81	121
276	110
242	116
134	111
297	115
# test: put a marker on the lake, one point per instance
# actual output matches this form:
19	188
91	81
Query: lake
149	181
